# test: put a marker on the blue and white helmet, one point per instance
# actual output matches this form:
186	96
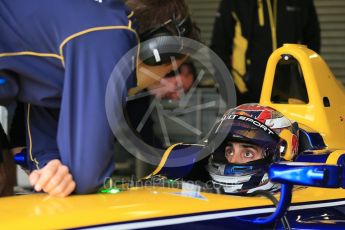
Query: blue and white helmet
254	124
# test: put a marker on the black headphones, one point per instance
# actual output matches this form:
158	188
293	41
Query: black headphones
154	41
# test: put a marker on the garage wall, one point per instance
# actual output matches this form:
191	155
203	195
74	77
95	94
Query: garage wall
203	12
332	20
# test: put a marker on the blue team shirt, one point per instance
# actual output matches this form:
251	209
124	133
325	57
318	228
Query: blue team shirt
60	55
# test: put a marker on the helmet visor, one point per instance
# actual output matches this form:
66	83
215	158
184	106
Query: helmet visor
245	129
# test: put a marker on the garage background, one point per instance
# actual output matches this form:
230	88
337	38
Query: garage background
332	21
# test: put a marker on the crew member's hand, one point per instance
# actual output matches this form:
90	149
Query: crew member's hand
54	179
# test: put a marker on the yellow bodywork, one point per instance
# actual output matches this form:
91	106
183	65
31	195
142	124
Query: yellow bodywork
320	83
43	212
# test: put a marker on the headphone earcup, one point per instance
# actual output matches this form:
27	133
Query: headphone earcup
159	49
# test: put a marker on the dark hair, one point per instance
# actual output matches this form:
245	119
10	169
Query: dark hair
152	13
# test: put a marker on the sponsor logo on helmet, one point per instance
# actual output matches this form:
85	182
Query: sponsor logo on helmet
246	119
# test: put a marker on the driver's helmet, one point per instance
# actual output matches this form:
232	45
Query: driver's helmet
254	124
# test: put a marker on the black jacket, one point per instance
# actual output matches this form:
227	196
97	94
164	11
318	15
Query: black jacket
243	37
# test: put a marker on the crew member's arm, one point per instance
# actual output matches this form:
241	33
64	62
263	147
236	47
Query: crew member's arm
84	137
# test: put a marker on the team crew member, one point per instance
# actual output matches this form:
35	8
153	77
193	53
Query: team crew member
246	32
57	57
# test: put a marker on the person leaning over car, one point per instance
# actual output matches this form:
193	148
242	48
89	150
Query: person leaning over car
57	57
